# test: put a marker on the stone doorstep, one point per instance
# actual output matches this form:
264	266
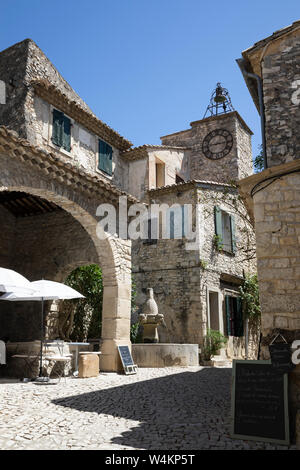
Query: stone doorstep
220	361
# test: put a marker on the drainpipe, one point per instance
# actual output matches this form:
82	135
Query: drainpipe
241	64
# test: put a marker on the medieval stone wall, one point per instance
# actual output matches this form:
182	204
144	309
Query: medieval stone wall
277	216
13	63
281	85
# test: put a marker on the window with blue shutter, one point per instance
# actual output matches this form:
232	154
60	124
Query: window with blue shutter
225	230
61	130
105	157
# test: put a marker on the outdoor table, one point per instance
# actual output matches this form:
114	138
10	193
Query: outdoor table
77	354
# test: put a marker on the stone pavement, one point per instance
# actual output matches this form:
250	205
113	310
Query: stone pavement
161	409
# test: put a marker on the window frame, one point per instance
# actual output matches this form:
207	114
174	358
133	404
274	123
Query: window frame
100	170
50	134
218	219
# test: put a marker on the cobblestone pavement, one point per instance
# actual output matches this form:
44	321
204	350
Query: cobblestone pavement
161	409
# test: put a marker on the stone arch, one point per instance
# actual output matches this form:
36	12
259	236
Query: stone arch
114	255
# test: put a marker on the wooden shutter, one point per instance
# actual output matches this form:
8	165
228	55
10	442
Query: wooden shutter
105	157
66	143
238	320
172	225
233	239
57	128
228	315
218	222
183	218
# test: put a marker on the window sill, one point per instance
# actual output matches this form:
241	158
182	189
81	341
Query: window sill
60	149
107	175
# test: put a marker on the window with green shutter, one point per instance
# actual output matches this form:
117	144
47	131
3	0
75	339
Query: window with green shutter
61	130
225	230
234	316
105	157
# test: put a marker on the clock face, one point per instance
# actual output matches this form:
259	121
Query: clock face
217	144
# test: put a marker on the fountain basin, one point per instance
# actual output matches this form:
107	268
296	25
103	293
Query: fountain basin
165	355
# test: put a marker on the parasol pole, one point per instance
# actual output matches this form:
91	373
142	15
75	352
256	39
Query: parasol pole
42	335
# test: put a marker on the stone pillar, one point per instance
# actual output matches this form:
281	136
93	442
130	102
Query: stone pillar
115	325
277	223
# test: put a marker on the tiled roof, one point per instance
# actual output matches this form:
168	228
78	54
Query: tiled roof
137	153
189	184
58	167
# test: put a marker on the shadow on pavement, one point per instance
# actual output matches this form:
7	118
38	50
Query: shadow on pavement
188	410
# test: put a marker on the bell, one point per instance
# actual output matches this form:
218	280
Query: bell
219	98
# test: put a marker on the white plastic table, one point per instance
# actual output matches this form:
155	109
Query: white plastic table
77	354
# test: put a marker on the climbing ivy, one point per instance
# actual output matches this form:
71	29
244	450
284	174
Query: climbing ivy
250	297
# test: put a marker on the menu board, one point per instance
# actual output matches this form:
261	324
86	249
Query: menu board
259	403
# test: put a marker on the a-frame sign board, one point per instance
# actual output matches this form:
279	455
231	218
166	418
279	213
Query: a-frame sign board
259	402
127	361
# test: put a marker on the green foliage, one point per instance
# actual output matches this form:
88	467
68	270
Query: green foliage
135	333
86	312
214	340
203	264
218	243
259	160
250	297
81	318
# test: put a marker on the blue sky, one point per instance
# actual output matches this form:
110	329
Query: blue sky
147	67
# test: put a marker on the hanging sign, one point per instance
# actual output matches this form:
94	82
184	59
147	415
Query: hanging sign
281	356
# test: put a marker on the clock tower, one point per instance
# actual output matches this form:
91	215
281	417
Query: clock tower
220	143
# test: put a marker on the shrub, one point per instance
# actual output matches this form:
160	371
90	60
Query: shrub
213	341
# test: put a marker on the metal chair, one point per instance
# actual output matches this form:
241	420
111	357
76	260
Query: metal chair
60	358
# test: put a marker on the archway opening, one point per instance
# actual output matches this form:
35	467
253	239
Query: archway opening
40	240
81	319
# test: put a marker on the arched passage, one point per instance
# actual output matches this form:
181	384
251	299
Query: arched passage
112	254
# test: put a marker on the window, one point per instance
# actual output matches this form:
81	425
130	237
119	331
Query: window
105	157
61	131
160	174
152	227
234	316
176	220
225	230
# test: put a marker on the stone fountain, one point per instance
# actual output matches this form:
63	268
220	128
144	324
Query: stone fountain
150	319
151	353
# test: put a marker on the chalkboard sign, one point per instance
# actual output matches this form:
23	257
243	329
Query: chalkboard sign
259	402
281	357
126	358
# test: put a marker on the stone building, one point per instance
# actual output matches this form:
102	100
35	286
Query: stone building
199	288
59	162
271	69
50	188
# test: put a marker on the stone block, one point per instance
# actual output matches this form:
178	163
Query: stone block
281	322
88	365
